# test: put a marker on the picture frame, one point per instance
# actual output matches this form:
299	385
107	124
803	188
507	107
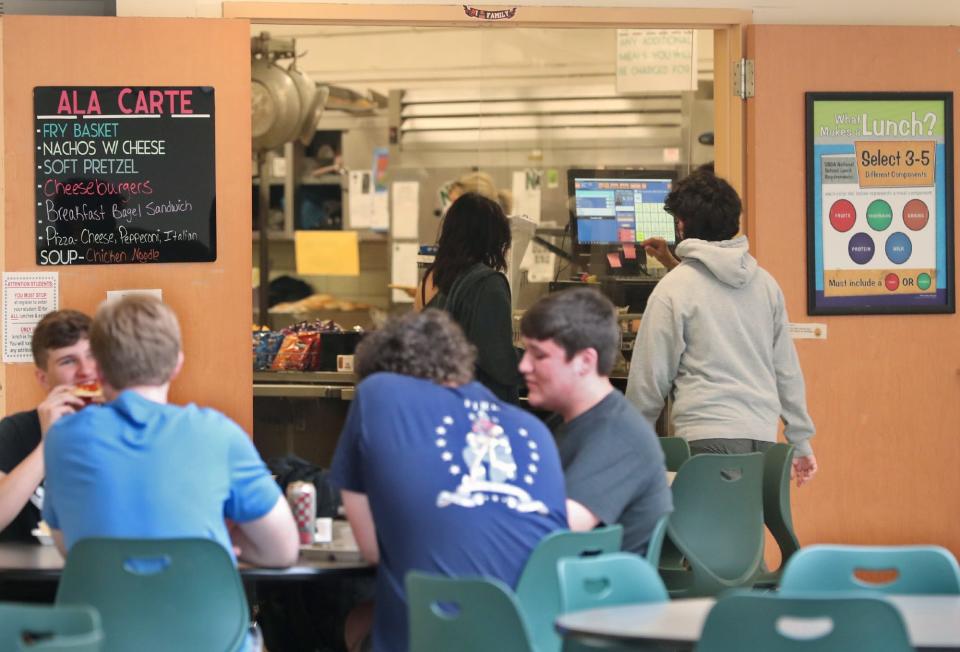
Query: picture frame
879	192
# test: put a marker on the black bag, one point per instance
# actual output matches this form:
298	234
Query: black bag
291	468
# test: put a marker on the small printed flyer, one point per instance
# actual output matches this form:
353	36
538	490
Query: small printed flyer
879	203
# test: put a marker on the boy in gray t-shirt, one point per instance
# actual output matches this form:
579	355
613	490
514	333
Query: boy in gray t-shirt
613	466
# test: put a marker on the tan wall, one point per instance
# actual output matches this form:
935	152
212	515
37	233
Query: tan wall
882	390
212	300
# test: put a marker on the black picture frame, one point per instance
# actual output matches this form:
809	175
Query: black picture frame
884	158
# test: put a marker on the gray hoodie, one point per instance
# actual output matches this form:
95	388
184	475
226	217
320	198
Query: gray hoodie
715	332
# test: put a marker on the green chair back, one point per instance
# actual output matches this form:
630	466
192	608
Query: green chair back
814	623
158	595
73	628
777	516
655	545
607	581
463	615
915	569
676	450
538	589
717	523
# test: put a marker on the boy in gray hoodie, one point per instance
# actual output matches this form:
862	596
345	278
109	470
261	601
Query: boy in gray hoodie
715	332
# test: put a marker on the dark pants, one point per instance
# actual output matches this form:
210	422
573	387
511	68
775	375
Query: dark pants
729	446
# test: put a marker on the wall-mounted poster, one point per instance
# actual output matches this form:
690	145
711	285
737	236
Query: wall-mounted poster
879	203
124	174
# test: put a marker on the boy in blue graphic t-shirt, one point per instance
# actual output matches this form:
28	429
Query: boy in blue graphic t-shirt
436	473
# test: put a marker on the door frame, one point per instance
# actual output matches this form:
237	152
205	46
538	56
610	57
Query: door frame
728	27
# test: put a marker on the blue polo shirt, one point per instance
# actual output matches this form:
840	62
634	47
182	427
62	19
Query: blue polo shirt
140	469
459	483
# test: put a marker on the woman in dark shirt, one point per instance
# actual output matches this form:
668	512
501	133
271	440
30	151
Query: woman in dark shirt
466	279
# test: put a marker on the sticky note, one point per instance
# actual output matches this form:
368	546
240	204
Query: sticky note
327	253
614	260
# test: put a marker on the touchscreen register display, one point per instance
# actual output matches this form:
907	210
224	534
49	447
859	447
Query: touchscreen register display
613	207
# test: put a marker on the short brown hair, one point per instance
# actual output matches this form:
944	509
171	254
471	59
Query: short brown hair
426	344
576	319
136	341
56	330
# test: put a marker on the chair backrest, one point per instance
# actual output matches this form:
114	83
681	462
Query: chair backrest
655	545
905	569
814	623
75	628
463	615
538	589
777	464
717	519
607	581
676	450
158	594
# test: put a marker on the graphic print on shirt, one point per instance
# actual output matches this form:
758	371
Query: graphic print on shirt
489	466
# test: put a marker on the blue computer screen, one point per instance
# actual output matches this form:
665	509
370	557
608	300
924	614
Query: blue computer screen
618	210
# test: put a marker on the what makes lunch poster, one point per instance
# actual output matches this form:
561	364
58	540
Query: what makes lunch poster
124	174
879	203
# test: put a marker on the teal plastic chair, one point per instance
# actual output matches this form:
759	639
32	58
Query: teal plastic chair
777	515
716	524
676	450
928	570
158	595
608	580
73	628
815	623
655	544
538	589
463	615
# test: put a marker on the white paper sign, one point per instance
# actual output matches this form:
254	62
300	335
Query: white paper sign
403	269
526	193
27	297
380	212
808	331
360	193
656	60
406	210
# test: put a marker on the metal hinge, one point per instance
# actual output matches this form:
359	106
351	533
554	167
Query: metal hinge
743	78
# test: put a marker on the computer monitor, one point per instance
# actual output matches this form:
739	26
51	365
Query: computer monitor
613	208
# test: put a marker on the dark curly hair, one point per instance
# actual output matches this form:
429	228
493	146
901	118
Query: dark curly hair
474	230
708	206
426	344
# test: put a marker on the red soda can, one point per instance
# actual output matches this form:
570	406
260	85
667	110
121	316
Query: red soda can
302	497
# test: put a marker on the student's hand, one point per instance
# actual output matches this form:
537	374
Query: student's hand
804	469
59	402
657	247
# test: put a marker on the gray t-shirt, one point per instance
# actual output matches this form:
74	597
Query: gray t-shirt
614	466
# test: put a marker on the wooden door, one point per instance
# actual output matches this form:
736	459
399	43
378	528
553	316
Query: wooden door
884	391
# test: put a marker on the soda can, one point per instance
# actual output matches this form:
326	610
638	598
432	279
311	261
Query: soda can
302	497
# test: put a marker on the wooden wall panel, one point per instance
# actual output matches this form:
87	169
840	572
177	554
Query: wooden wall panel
884	391
213	300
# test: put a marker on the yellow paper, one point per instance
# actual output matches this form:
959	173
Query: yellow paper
327	253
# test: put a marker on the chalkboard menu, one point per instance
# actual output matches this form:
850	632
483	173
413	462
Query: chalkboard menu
125	175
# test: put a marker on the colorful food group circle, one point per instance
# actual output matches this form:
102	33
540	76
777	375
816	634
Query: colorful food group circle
916	214
879	215
842	215
898	248
861	248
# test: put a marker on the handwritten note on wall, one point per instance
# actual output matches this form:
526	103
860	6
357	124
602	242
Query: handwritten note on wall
656	60
124	175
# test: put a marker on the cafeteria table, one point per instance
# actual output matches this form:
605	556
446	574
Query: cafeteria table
933	622
24	562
